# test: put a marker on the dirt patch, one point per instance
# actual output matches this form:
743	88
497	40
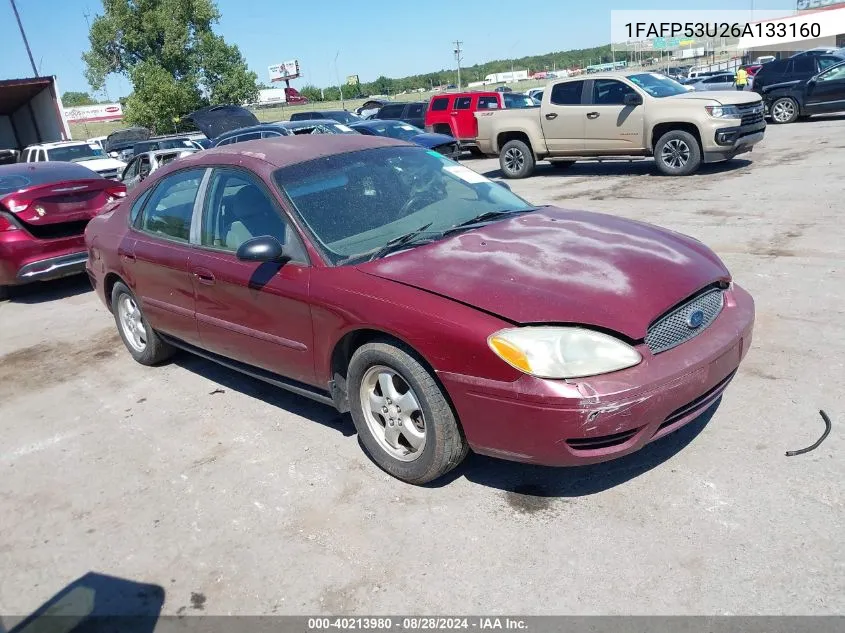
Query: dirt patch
528	499
54	363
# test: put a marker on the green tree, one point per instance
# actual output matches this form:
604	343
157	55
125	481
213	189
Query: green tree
312	93
169	52
71	99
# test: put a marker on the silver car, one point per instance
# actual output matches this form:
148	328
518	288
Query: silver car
722	81
142	165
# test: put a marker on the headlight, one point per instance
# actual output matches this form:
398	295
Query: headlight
723	112
562	352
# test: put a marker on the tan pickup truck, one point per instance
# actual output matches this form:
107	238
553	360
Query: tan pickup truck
625	115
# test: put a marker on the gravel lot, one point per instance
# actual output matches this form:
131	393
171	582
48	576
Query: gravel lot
235	497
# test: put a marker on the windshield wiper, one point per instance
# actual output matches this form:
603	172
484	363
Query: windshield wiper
481	219
398	241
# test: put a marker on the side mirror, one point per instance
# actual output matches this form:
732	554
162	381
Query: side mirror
262	249
632	99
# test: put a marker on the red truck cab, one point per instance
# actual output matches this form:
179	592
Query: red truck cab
454	114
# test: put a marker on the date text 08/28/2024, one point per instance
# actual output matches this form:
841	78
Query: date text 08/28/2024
722	29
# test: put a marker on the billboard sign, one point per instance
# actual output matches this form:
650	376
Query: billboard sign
99	112
352	80
284	71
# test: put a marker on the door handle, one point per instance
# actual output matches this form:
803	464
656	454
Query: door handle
128	257
204	276
592	115
551	115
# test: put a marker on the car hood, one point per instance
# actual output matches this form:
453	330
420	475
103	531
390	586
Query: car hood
430	139
102	164
129	136
216	120
722	97
557	266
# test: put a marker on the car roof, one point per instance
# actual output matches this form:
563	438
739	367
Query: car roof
290	150
56	144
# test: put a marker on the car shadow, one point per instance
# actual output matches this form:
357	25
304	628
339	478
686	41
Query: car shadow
621	168
525	482
275	396
96	603
46	291
822	117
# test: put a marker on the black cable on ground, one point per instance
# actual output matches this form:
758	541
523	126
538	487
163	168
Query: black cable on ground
815	445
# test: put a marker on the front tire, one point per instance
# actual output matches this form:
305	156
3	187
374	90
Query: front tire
785	110
403	419
516	159
143	343
677	153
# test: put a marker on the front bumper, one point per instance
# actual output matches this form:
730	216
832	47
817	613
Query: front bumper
589	420
730	141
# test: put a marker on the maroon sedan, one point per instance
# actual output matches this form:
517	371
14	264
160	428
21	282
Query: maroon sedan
440	309
44	208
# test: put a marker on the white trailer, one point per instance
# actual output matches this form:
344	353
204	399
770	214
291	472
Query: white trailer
509	77
31	112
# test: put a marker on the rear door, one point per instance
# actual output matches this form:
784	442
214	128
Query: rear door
155	259
463	119
256	313
392	112
437	115
564	117
610	125
827	92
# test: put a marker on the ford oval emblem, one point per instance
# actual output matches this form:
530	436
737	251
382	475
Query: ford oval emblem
695	319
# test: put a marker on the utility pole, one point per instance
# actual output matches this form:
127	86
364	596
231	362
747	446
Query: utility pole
458	59
23	35
339	85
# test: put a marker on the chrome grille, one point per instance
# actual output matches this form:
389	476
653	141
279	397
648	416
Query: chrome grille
673	329
751	113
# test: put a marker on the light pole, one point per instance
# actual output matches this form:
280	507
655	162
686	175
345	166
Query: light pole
23	35
458	59
339	86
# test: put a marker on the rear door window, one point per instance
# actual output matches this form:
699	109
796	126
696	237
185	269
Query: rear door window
440	104
463	103
415	111
392	111
170	208
567	93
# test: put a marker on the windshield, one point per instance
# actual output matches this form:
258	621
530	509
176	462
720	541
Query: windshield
354	203
513	100
76	153
401	131
657	85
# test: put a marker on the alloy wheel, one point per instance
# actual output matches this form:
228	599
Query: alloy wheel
675	153
783	111
514	160
393	414
132	323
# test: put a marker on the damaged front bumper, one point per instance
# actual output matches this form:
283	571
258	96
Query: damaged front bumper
589	420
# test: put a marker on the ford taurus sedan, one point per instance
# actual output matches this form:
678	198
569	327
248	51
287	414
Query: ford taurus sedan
441	310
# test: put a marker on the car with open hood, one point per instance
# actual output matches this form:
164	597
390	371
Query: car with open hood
119	143
444	312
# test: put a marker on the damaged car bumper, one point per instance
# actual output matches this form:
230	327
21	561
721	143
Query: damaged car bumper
590	420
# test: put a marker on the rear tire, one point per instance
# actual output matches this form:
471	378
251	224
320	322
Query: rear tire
404	421
785	110
516	159
677	153
143	343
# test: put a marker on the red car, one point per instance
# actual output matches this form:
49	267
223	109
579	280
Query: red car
44	208
453	114
440	309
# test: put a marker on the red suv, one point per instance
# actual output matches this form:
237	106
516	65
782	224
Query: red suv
44	209
453	114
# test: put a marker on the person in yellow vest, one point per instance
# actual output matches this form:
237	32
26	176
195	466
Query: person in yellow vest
741	78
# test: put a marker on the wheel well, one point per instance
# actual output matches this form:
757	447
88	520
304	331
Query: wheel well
347	346
661	129
108	284
506	137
